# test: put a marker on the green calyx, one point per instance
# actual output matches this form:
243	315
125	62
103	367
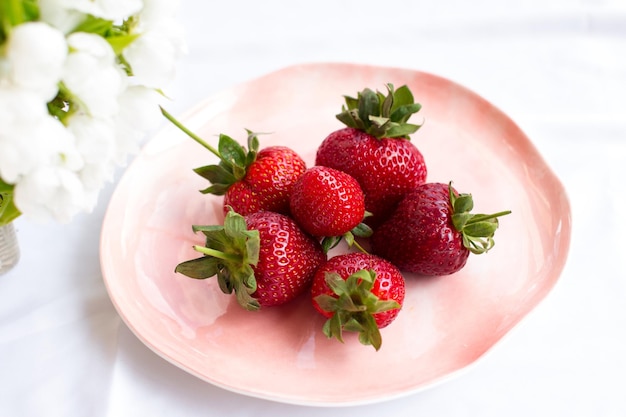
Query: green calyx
234	158
477	230
360	230
353	307
230	253
233	165
379	115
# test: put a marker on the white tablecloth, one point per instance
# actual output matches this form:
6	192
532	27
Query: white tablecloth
556	67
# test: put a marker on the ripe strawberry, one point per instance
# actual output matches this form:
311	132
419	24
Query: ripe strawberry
375	148
264	258
358	292
329	203
432	231
250	180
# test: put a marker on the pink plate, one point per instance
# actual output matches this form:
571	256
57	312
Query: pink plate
281	354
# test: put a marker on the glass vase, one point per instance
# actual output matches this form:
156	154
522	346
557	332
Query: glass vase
9	248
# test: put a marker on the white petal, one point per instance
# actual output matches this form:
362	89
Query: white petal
21	130
92	75
139	107
36	53
152	60
95	138
50	193
108	9
59	14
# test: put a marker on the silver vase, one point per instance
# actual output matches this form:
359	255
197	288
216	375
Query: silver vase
9	248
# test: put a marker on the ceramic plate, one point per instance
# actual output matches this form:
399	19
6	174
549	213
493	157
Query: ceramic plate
280	354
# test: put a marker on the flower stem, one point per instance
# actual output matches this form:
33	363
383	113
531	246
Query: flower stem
190	133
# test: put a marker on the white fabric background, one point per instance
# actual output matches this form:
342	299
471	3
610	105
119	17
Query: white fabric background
557	67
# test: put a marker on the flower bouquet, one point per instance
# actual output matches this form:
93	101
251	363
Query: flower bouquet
80	84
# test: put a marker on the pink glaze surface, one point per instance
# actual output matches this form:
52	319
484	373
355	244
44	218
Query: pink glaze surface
447	323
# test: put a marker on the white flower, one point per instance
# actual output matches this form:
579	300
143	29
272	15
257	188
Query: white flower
114	10
139	112
95	142
51	193
59	14
92	75
152	56
69	111
35	56
25	122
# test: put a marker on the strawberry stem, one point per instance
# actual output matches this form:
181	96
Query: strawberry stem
482	217
217	254
190	133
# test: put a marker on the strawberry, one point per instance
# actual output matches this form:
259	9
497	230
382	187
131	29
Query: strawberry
432	231
250	180
358	292
264	258
329	203
375	148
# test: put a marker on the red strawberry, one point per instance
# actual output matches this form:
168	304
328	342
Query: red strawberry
358	292
326	202
250	180
264	258
375	148
432	231
267	183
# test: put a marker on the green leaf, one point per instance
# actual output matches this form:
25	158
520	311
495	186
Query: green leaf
95	25
224	281
119	43
330	242
200	268
463	203
216	174
386	305
234	225
459	220
379	121
12	14
370	335
403	113
402	97
253	246
352	325
368	105
387	101
336	283
231	150
206	229
246	276
351	102
253	145
362	230
326	302
217	240
334	328
8	210
481	229
246	300
216	189
401	130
